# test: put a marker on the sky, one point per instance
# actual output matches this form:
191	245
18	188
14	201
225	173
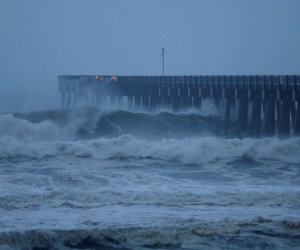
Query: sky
40	40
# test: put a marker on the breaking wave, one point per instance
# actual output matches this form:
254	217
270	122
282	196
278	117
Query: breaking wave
188	138
186	151
130	180
91	123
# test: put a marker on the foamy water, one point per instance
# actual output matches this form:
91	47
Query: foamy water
129	192
187	151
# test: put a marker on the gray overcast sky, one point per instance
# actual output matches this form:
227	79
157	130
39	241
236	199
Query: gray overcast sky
42	39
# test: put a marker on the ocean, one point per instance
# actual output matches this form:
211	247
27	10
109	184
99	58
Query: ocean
114	179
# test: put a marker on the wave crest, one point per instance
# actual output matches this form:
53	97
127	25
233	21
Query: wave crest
187	151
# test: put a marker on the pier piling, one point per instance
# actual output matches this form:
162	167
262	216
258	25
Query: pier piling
275	97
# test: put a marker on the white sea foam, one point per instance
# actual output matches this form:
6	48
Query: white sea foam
82	177
187	151
135	193
21	138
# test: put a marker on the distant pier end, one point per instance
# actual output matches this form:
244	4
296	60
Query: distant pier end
261	105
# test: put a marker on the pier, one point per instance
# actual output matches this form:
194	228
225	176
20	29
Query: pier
256	105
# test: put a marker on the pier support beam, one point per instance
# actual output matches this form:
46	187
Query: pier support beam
130	102
166	102
278	111
270	118
264	105
242	112
154	98
120	102
175	99
297	121
269	129
217	95
184	103
160	102
145	102
75	98
255	123
197	102
176	103
184	94
242	117
284	125
293	113
137	103
227	116
153	103
229	95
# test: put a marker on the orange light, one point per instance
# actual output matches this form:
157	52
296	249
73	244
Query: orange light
96	77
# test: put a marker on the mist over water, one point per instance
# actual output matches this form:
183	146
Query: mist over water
25	91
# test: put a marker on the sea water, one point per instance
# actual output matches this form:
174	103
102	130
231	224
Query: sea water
91	179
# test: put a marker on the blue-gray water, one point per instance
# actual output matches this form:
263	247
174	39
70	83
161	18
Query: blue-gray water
88	179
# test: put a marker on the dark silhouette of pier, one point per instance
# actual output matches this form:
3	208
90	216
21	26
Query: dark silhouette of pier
256	105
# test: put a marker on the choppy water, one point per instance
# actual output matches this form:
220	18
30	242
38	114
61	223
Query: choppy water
87	179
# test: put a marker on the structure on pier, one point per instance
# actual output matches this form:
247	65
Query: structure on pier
265	104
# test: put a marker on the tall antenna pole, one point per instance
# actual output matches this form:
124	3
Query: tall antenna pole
163	55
